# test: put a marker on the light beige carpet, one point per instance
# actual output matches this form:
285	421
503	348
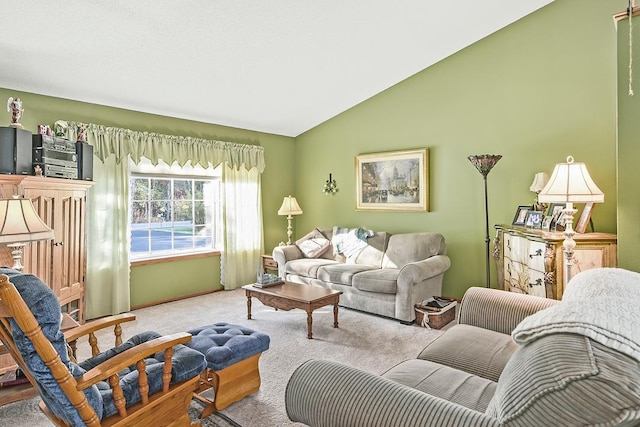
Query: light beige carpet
368	342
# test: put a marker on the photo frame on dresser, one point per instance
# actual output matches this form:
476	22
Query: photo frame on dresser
555	212
521	215
581	226
533	219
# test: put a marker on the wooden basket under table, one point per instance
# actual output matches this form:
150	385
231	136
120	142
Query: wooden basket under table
436	319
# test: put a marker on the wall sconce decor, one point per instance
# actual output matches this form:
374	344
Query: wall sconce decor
330	186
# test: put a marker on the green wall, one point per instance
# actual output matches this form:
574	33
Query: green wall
628	149
158	282
537	91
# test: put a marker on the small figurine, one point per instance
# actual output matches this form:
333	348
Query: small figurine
82	134
45	130
38	170
14	106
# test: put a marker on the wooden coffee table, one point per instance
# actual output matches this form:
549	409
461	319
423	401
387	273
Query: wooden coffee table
292	295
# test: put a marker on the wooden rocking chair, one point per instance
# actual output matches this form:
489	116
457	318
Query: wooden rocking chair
149	393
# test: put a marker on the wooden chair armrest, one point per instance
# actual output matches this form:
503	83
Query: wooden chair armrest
96	325
129	357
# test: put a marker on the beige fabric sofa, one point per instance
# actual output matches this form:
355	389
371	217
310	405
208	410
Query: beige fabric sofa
388	276
512	360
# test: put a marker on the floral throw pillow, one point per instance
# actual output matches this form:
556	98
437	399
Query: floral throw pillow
314	244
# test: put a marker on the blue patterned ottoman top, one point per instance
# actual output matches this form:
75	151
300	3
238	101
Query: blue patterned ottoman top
224	344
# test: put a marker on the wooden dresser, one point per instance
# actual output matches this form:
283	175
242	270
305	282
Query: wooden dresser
532	261
61	262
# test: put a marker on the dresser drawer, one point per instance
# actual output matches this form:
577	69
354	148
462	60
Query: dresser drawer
532	261
536	255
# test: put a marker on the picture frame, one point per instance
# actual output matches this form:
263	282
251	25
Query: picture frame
533	219
585	216
555	212
546	223
393	181
521	215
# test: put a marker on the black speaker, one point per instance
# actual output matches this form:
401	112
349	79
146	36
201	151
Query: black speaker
84	152
15	151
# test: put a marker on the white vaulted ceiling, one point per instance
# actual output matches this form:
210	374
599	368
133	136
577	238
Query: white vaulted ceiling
277	66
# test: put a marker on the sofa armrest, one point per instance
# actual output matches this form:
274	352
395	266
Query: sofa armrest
324	393
282	254
416	272
498	310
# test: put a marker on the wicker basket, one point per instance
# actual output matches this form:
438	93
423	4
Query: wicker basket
435	319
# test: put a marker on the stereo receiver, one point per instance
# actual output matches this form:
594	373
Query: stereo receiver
56	156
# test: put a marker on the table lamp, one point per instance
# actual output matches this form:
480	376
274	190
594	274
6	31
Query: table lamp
539	182
570	183
19	225
289	207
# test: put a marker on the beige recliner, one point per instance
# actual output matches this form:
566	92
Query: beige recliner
512	360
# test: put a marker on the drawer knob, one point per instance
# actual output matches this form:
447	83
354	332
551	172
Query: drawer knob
58	244
536	253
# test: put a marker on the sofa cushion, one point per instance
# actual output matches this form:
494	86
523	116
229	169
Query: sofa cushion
314	244
382	280
306	267
411	247
445	382
569	380
491	350
341	273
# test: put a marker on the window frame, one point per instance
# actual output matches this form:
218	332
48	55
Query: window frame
176	173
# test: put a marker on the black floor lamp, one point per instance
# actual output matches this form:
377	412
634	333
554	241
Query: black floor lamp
484	163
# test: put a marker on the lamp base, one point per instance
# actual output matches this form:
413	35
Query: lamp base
289	229
569	244
16	253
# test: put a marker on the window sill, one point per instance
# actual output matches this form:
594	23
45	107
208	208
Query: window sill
173	258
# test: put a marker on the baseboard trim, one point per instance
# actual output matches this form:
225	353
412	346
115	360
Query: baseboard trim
197	294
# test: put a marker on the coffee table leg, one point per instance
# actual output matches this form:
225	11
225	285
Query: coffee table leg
309	324
335	315
248	307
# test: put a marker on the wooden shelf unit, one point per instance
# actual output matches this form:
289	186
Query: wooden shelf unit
61	262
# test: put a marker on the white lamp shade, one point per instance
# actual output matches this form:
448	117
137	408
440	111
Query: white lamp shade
19	222
539	182
290	206
571	182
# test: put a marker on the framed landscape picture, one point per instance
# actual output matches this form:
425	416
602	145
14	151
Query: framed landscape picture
393	181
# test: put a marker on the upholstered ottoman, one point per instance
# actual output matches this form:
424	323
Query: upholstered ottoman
232	354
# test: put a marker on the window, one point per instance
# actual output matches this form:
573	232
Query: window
173	210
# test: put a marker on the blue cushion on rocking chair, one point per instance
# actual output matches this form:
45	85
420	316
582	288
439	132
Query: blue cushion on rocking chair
186	363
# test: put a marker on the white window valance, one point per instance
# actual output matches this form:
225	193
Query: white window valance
123	143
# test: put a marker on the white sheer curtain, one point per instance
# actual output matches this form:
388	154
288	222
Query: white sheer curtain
242	217
108	234
108	239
